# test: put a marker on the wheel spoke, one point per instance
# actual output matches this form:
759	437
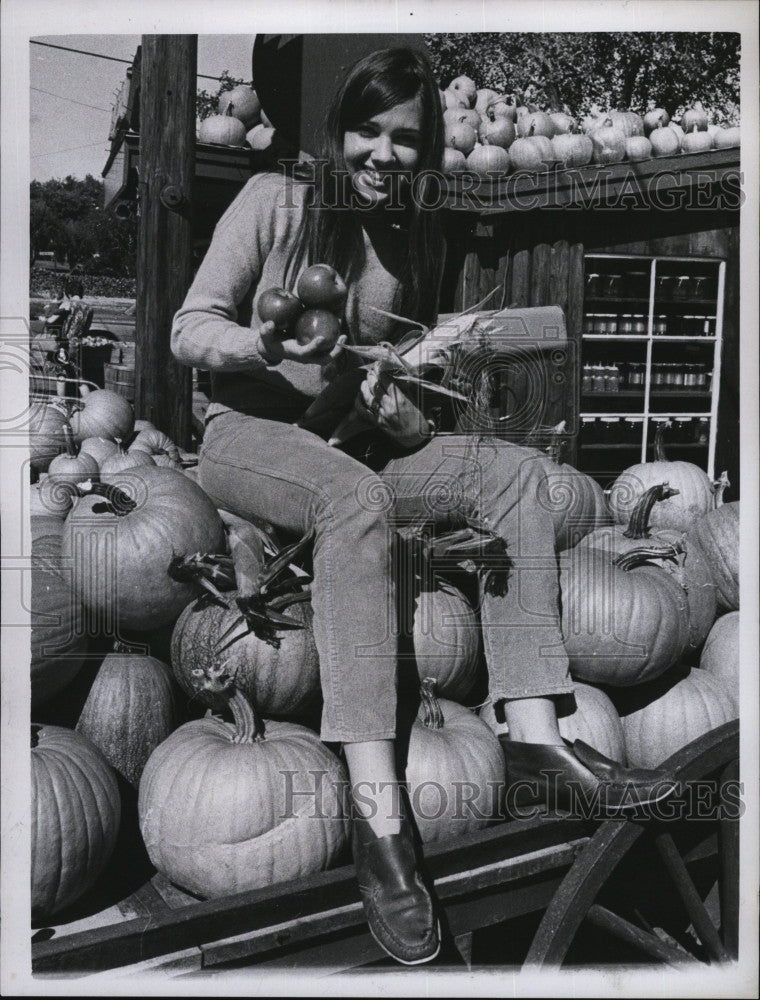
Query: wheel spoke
600	916
690	898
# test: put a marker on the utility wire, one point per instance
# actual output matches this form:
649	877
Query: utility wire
98	55
71	100
71	149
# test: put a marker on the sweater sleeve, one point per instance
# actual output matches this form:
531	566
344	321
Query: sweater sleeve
205	332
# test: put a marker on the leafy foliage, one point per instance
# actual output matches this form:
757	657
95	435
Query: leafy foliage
589	72
207	104
66	217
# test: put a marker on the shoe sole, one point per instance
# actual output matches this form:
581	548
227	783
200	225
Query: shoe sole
414	961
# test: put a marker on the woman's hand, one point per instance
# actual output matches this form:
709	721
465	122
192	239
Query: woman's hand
274	348
386	406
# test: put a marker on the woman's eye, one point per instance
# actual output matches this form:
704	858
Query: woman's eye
365	132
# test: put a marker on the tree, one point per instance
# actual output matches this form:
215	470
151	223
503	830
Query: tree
595	71
66	216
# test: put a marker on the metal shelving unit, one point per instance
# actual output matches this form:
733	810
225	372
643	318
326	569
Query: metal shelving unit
671	304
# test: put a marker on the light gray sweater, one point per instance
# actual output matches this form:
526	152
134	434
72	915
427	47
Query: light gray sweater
216	327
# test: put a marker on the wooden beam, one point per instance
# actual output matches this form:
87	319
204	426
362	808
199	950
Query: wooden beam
163	387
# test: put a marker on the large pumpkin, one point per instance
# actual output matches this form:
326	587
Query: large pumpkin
121	557
46	438
620	626
666	716
720	654
697	494
130	709
446	636
102	413
59	644
588	715
281	678
453	755
717	535
75	817
683	560
225	808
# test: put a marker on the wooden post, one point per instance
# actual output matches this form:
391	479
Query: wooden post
163	388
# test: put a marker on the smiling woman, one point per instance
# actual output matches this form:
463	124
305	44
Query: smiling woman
384	149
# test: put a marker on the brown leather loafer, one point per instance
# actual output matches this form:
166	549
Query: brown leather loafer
398	907
580	780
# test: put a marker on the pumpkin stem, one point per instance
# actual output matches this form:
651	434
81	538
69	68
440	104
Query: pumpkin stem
68	438
432	713
127	648
659	451
249	726
719	487
638	525
637	557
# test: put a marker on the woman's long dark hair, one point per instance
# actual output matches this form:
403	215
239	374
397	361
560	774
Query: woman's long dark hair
329	232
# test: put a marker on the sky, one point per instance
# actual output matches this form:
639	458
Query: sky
71	95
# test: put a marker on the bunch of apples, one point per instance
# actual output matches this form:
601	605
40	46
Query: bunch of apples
314	311
489	134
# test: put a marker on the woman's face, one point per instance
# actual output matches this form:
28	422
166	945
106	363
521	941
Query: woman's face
383	146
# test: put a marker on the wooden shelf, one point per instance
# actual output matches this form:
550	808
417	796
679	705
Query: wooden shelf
634	393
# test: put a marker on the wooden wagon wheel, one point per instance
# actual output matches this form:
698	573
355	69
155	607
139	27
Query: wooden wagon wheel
716	753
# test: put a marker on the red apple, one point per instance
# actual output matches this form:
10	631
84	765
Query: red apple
317	323
279	306
694	118
727	138
455	116
696	141
462	137
320	286
658	118
454	161
638	148
499	132
466	89
665	141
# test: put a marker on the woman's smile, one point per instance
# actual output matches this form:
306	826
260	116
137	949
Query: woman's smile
383	149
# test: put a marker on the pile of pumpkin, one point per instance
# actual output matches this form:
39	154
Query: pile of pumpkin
126	545
491	134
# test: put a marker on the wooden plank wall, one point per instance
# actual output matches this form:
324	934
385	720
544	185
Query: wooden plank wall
496	252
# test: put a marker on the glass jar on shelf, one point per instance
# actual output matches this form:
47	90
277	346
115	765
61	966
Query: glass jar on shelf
682	432
593	285
625	324
678	376
682	288
636	375
598	378
657	380
664	287
612	430
588	323
700	286
587	382
639	327
589	430
612	286
600	325
660	326
632	430
701	374
612	378
702	431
